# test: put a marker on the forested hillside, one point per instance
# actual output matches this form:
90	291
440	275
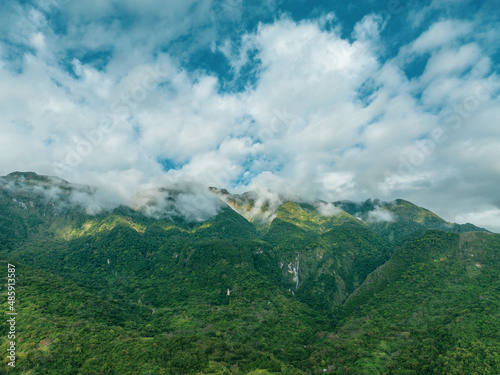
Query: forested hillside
309	288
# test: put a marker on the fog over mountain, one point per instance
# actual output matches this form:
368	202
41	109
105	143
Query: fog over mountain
195	203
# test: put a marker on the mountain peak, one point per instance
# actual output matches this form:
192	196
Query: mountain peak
34	177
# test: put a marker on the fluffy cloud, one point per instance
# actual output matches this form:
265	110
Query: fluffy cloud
380	215
328	209
441	33
111	94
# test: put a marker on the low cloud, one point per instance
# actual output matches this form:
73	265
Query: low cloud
328	209
191	202
188	200
380	215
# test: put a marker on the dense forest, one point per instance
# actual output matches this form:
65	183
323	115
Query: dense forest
122	291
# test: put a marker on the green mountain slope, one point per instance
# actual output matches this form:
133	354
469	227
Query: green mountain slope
323	258
433	308
398	220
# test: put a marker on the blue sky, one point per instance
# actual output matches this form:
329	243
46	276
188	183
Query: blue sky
316	99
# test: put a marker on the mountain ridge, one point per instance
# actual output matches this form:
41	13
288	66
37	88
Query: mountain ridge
245	204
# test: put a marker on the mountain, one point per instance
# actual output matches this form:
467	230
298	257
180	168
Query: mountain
187	281
432	308
398	220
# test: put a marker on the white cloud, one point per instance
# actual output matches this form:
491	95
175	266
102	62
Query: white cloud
326	117
381	215
369	28
191	201
441	33
451	62
328	209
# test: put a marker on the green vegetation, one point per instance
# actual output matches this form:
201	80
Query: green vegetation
405	219
433	308
123	293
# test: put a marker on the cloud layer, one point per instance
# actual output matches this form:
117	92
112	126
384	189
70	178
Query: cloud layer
136	95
